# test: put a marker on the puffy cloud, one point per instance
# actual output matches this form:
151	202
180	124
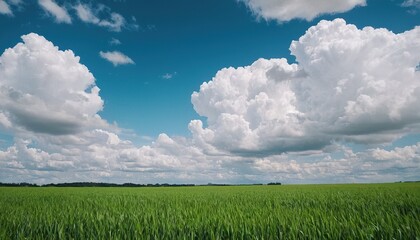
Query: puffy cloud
361	82
49	103
399	153
116	58
46	90
60	14
286	10
113	21
5	8
372	165
100	155
349	84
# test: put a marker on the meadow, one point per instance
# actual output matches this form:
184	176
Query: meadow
349	211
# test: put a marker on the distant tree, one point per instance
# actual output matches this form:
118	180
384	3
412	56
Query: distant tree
274	183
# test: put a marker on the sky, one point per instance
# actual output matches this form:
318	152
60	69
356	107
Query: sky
220	91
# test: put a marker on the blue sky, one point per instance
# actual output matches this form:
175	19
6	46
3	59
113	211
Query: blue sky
161	132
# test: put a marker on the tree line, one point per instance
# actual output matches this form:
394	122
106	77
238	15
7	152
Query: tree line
101	184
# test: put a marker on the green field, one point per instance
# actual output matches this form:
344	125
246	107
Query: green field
353	211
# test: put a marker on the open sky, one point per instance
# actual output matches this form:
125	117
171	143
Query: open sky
221	91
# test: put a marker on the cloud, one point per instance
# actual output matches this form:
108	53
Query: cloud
5	8
168	76
411	3
46	90
111	20
404	153
85	14
348	85
116	58
286	10
270	121
52	8
95	155
97	14
372	165
100	155
114	41
49	104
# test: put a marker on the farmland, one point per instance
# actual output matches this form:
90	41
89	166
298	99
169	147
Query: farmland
350	211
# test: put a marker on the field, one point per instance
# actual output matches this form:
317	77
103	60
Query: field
352	211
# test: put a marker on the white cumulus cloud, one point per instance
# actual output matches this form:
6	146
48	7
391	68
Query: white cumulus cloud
49	104
270	121
60	13
349	84
116	58
286	10
46	90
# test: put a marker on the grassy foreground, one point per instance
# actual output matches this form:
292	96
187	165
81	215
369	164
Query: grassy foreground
354	211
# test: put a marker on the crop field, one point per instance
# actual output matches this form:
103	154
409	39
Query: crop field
351	211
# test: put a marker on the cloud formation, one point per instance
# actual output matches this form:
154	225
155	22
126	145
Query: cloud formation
5	8
59	13
116	58
100	155
96	14
349	84
168	76
411	3
114	41
110	20
46	90
271	121
286	10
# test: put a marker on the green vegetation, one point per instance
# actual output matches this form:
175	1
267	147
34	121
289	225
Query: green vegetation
353	211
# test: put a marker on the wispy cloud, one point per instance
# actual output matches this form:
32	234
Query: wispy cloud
413	6
60	14
168	76
116	58
114	41
85	14
411	3
113	21
5	8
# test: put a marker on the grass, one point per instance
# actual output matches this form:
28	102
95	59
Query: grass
353	211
